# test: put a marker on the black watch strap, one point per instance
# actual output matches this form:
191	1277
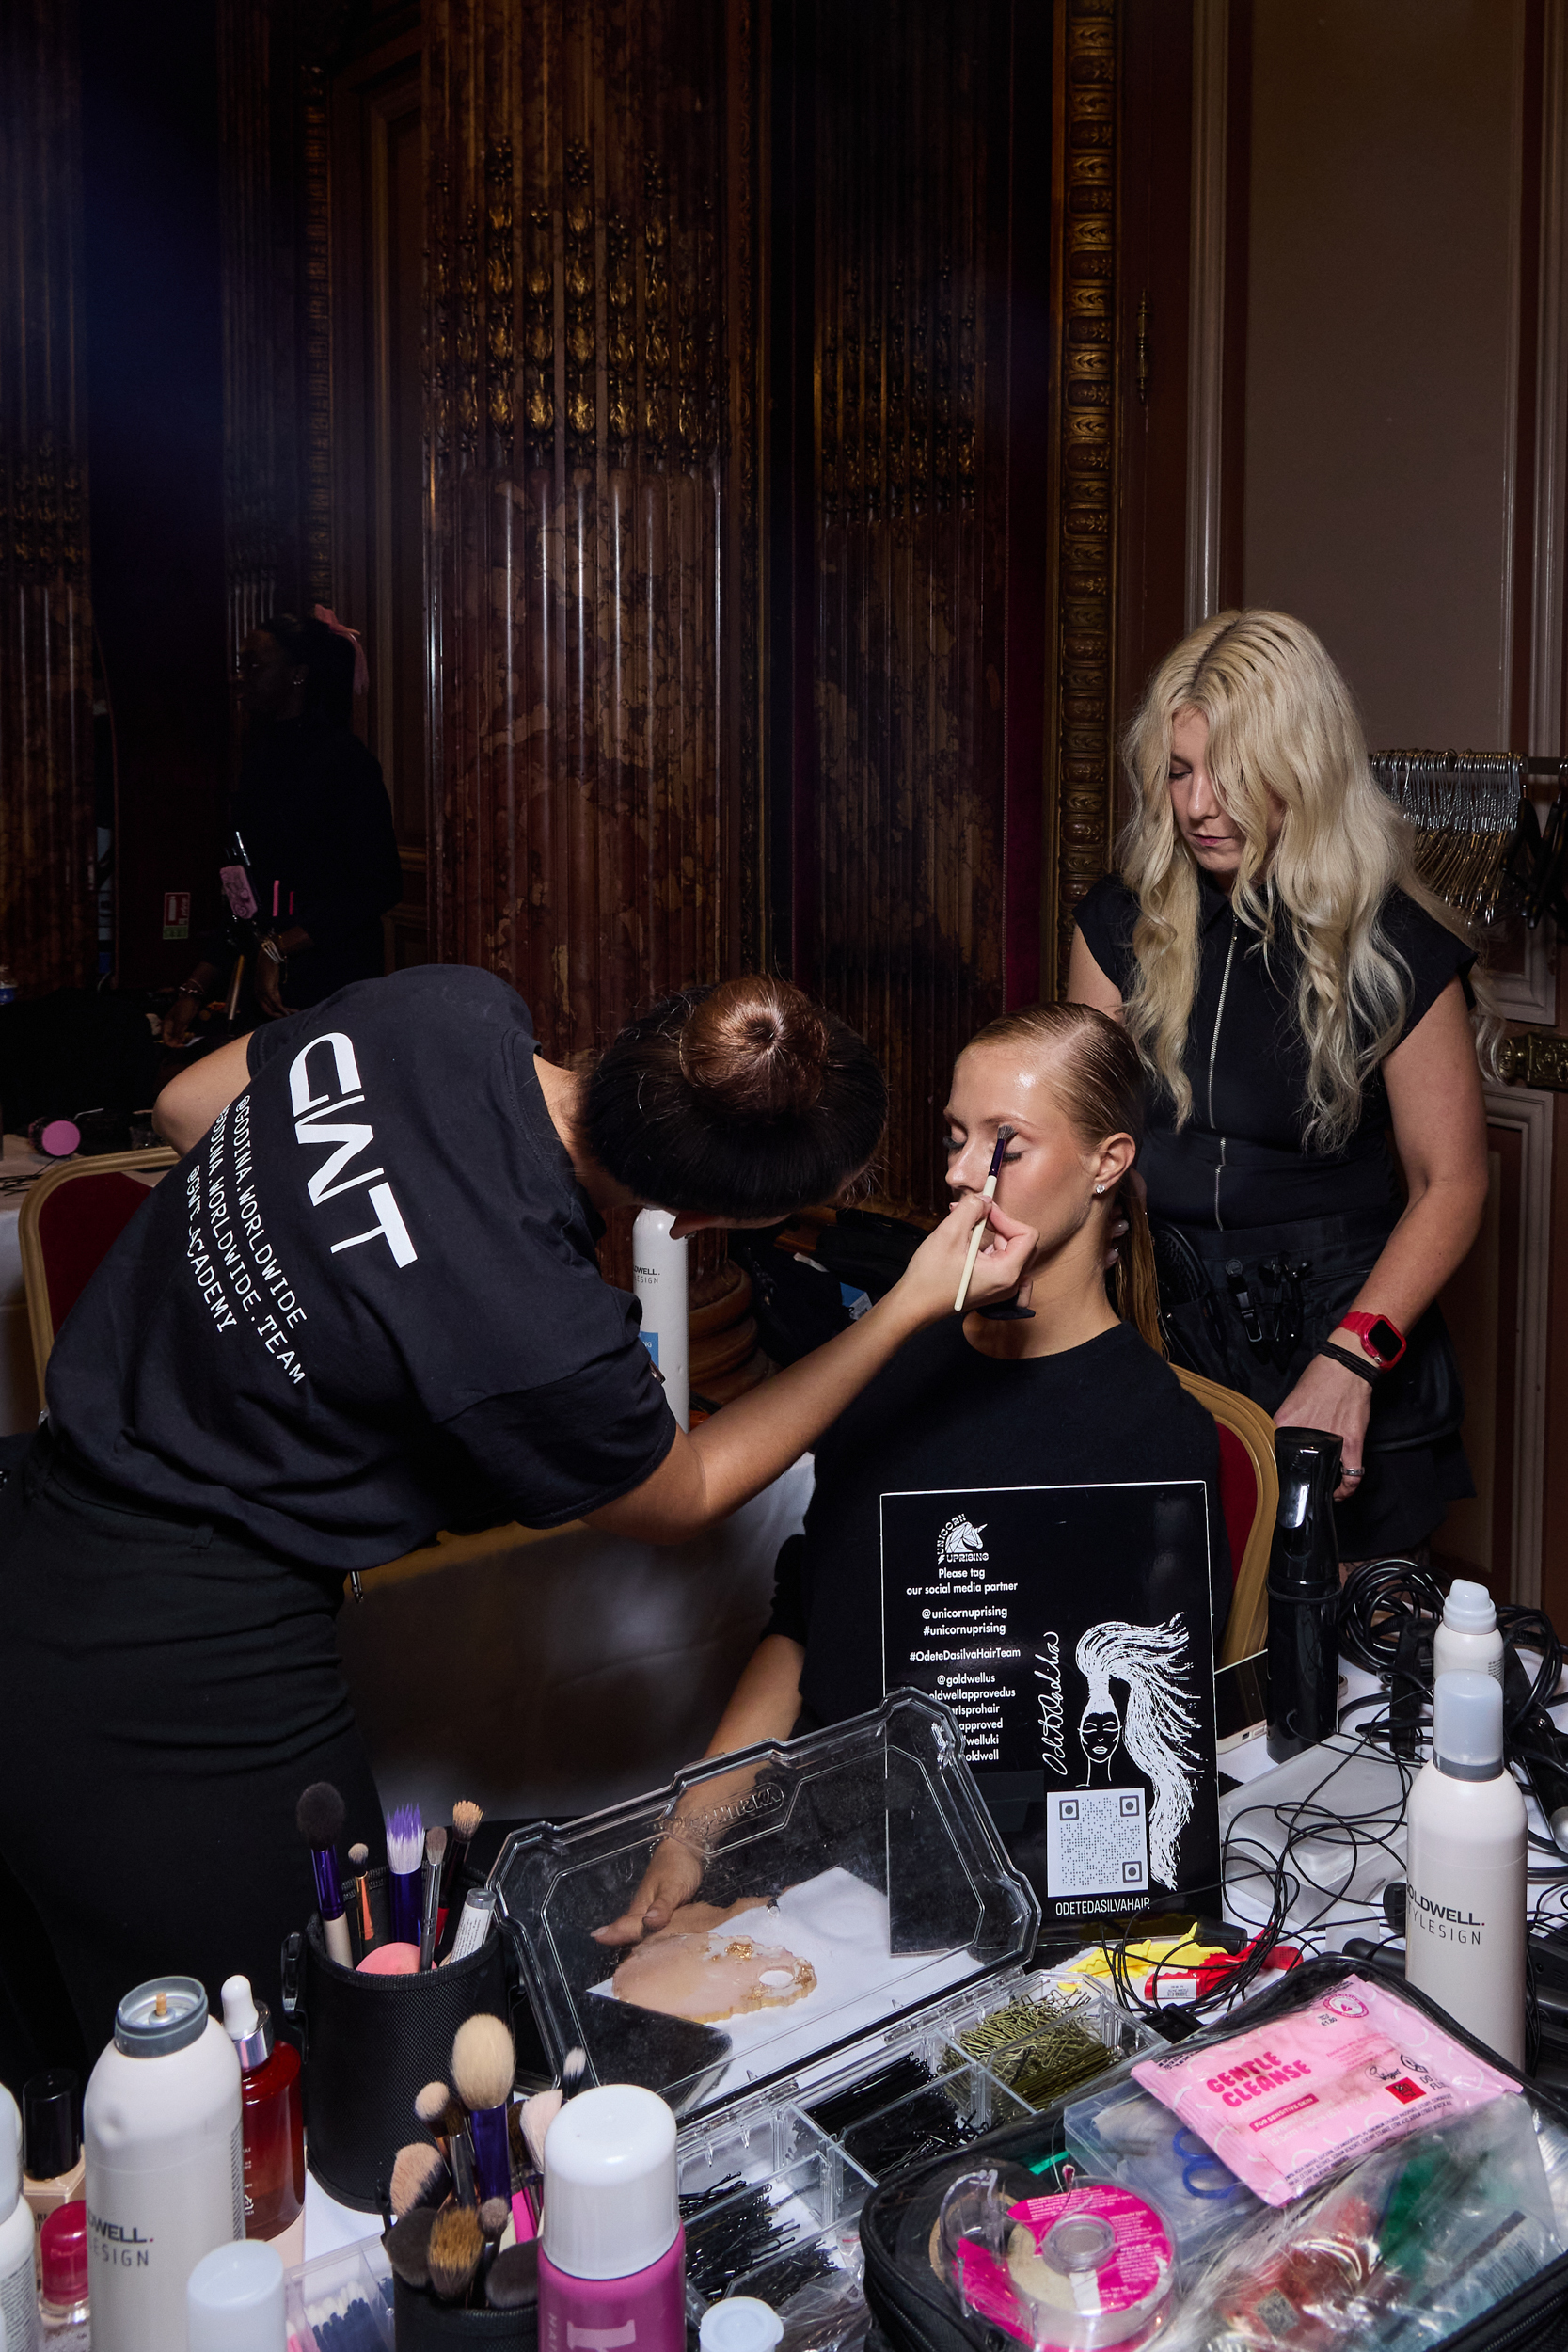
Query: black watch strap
1372	1373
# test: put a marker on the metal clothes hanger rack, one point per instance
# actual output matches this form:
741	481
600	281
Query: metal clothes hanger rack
1479	843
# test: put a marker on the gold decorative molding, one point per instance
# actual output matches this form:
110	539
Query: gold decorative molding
1083	752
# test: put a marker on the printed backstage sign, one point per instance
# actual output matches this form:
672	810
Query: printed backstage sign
1069	1630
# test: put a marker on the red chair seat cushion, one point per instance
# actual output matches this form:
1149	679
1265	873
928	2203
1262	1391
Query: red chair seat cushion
1238	1494
79	1224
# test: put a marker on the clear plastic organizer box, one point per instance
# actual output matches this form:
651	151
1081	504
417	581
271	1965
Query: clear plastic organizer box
865	1851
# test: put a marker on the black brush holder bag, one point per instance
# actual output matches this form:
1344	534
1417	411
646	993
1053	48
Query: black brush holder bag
422	2322
370	2043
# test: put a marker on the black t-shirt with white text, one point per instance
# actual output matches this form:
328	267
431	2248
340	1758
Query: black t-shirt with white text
366	1306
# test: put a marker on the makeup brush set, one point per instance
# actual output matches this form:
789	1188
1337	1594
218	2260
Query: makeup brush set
379	1981
859	1870
464	2204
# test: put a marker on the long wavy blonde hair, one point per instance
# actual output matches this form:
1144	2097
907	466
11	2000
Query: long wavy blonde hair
1281	723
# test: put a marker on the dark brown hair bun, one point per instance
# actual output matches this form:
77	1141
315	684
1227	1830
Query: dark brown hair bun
741	1099
758	1047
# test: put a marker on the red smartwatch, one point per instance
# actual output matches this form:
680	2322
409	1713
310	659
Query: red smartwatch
1381	1338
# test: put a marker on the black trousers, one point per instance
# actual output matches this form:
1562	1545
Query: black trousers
167	1691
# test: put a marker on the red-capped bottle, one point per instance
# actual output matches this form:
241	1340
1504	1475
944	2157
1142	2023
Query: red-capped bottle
274	2112
64	2314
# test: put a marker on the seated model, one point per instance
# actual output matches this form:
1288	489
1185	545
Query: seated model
1074	1396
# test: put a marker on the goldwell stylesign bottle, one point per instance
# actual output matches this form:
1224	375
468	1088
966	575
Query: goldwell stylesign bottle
1464	1870
660	1278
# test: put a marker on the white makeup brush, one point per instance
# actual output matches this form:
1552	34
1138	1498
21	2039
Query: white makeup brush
987	1192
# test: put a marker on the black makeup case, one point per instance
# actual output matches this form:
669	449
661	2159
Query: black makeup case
870	1851
913	2310
369	2045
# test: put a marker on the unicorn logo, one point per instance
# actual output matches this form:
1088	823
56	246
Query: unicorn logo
960	1540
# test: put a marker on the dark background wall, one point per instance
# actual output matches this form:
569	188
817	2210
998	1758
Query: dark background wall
154	370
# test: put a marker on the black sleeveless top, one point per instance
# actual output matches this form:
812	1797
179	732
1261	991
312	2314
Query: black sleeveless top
1240	1161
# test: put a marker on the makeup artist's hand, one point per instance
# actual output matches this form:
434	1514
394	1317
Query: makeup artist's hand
1331	1397
671	1879
930	1282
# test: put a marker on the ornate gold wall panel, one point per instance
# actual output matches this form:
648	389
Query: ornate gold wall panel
1083	746
592	482
47	912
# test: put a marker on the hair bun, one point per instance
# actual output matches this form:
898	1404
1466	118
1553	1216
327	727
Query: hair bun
758	1047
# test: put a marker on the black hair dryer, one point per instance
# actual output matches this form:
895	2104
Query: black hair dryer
1304	1594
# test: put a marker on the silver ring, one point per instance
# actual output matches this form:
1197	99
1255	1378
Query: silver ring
1354	1473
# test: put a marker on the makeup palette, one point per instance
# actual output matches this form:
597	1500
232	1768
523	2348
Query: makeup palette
865	1853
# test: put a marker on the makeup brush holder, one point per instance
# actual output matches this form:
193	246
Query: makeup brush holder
425	2325
370	2043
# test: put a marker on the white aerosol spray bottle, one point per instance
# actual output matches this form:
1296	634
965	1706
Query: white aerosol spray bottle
165	2162
1468	1640
1464	1870
659	1275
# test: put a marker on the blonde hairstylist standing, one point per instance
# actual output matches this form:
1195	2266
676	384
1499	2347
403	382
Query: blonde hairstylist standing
365	1307
1297	994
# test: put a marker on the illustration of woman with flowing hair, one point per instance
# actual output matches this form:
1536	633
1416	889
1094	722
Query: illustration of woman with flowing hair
1155	1662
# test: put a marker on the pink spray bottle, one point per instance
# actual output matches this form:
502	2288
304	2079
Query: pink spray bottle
612	2256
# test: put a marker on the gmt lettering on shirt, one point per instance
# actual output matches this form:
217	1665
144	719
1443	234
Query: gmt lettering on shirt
237	1268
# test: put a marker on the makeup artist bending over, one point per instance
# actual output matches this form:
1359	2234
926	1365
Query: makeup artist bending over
1076	1396
1296	993
367	1307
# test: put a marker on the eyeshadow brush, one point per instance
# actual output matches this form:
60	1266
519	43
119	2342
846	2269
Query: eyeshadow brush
318	1819
483	2063
430	1893
987	1192
466	1818
404	1861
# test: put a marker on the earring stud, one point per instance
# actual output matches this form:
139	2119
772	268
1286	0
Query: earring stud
1098	1188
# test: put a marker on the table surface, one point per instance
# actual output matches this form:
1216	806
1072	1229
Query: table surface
328	2225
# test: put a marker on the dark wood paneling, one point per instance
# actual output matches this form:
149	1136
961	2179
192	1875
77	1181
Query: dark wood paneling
910	366
47	911
590	465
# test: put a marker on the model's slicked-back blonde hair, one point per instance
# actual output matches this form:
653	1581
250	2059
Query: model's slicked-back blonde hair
1281	722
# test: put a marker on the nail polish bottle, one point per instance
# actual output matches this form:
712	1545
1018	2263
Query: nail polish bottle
64	2314
274	2114
53	2165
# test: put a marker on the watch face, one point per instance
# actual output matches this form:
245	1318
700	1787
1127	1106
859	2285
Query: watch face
1384	1340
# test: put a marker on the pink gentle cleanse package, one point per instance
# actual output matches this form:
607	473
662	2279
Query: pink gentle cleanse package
1291	2104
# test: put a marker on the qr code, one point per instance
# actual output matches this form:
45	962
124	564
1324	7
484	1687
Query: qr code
1096	1842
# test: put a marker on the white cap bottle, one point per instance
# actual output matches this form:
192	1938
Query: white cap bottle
660	1278
1467	1640
165	2162
740	2322
1464	1921
19	2305
235	2301
612	2257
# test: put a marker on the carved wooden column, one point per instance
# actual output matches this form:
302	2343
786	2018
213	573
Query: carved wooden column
47	914
593	487
1083	744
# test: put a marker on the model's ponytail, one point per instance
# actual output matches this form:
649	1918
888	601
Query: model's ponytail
1136	1283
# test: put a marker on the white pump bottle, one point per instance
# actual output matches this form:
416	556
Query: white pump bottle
1467	1640
1464	1870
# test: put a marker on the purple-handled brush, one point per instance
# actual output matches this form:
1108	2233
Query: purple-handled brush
319	1818
404	1866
